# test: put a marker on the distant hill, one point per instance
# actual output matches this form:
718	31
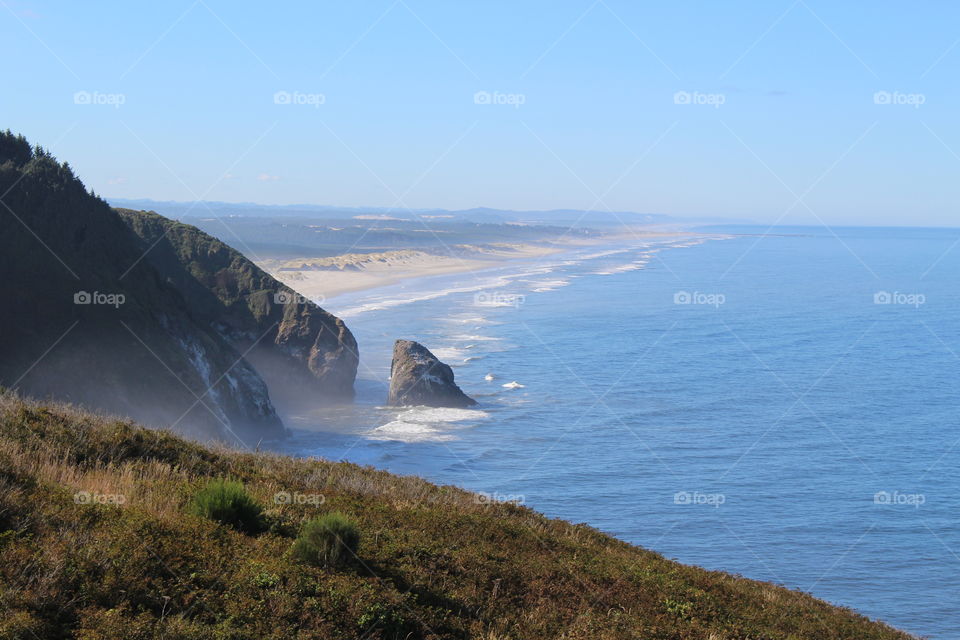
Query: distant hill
140	316
479	214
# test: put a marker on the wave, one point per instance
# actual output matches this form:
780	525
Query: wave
446	354
474	338
624	268
498	282
603	254
427	424
467	319
548	285
380	303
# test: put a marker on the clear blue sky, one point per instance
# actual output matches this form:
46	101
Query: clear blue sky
798	130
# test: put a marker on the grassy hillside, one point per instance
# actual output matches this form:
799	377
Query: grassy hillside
97	541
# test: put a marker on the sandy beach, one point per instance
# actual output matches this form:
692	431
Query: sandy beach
323	278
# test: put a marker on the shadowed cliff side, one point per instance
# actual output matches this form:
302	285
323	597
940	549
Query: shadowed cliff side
87	319
303	352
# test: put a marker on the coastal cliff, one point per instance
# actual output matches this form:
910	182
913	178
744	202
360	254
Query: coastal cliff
90	316
303	352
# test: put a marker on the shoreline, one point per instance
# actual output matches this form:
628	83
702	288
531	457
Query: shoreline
323	278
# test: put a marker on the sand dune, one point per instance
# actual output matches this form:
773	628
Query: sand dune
322	278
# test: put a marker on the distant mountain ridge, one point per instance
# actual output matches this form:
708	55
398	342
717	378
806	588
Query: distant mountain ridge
93	316
475	214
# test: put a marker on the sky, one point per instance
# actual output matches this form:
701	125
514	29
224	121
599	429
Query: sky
787	112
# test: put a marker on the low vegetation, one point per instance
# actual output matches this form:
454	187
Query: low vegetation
227	501
327	541
100	538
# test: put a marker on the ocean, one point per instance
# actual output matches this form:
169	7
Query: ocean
781	405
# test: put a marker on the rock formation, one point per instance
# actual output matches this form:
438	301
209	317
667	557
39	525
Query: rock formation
303	352
417	377
134	314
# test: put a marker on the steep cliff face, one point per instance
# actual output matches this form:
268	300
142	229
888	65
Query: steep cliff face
303	352
417	377
86	319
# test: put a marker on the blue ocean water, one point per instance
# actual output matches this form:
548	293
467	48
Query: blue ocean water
781	406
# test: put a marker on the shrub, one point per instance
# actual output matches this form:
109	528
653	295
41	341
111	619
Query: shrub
228	502
328	540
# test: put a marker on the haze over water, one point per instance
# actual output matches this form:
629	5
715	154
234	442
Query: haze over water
784	408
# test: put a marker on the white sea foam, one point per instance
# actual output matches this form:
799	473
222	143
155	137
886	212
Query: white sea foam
379	303
513	385
427	424
624	268
548	285
500	281
603	254
447	353
467	319
475	338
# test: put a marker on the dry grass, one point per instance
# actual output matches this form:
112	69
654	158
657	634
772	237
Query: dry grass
433	562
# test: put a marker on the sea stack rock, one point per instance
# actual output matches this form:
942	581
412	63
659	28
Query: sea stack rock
417	377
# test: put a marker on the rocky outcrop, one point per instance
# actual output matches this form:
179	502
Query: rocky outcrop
91	315
304	353
417	377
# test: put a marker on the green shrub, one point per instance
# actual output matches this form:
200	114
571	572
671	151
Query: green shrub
228	502
328	540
